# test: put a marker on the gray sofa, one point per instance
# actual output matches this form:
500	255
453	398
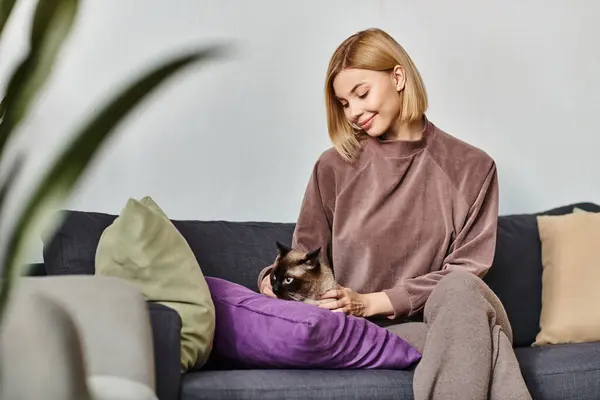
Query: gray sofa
236	251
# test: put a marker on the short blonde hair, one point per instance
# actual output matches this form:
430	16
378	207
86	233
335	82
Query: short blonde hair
376	50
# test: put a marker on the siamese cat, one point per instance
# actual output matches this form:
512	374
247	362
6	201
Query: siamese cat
301	276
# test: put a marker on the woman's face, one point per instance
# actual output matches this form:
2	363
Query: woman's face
371	100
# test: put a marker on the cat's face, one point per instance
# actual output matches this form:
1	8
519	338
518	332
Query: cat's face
297	275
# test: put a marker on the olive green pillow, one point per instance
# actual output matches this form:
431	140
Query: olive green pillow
143	247
577	210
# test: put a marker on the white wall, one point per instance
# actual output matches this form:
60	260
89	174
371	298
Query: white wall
518	79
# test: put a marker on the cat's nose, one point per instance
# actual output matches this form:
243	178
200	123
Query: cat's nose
276	287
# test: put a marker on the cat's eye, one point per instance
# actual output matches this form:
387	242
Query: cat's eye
288	280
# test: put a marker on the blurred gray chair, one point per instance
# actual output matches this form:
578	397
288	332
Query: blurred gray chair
76	337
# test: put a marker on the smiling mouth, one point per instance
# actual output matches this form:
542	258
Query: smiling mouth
365	123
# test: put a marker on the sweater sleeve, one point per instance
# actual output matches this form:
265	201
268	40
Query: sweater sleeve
472	250
313	226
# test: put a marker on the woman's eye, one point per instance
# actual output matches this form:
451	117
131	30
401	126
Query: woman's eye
288	280
362	96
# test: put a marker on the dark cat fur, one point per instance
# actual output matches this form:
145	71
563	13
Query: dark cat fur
301	276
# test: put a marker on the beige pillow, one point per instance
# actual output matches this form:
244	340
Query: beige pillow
143	247
571	276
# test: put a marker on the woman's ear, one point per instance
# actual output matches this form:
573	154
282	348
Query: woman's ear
399	77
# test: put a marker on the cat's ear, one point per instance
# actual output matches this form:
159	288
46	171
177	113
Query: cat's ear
312	259
313	255
283	249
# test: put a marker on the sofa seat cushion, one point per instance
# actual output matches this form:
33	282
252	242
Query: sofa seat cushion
557	372
561	372
298	384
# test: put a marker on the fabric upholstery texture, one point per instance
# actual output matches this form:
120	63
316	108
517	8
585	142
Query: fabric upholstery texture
562	372
166	329
235	251
298	385
557	372
144	248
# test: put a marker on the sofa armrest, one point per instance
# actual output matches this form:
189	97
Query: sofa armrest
35	269
111	318
166	338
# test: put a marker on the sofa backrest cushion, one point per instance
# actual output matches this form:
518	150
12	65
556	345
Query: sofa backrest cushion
516	274
72	248
237	251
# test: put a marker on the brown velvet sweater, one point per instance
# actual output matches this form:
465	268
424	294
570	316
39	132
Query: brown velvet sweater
402	216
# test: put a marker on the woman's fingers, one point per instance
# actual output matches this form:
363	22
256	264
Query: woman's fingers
266	287
332	294
333	305
330	305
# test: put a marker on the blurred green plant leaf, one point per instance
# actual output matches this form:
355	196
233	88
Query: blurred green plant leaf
1	109
52	23
7	183
6	7
57	183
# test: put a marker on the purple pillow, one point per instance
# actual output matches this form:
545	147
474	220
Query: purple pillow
256	331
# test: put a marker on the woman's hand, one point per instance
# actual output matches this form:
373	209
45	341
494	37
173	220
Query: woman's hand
266	288
349	302
345	300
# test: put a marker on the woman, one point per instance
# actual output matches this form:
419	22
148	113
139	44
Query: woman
408	214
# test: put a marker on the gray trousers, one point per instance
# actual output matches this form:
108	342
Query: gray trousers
466	342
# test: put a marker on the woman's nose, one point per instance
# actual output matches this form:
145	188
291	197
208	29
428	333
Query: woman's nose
355	112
